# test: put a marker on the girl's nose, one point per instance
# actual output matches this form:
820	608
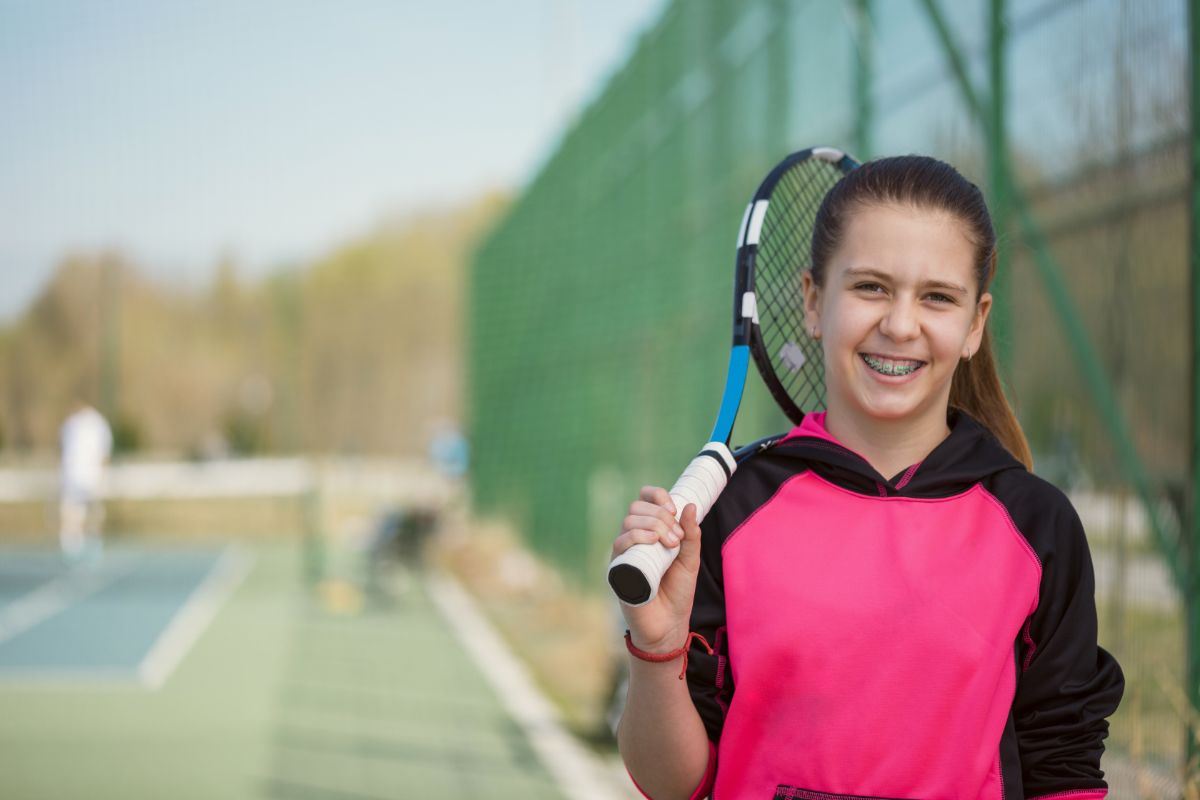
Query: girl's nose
900	323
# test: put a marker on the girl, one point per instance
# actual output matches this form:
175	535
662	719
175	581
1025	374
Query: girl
896	607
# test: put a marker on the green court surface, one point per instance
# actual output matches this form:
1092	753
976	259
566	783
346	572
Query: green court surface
276	698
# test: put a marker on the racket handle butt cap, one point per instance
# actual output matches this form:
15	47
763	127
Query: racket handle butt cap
635	574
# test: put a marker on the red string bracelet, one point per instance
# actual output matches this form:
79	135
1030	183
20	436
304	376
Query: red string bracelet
659	658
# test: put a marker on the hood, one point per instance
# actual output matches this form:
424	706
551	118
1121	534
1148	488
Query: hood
970	454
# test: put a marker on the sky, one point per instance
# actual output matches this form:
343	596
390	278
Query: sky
270	132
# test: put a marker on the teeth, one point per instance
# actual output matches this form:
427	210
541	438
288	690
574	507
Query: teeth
888	366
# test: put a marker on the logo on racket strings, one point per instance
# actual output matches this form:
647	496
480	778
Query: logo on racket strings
792	356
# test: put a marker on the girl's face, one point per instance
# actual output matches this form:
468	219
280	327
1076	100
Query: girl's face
896	314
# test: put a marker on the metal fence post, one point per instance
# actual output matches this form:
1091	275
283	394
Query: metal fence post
111	278
1073	328
864	50
1001	316
1192	600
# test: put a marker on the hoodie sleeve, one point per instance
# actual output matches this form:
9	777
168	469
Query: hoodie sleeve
1068	685
708	676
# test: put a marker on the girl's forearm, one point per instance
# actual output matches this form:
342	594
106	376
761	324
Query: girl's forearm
661	737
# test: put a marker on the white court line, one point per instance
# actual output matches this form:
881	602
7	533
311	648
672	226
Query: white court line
54	597
579	774
193	618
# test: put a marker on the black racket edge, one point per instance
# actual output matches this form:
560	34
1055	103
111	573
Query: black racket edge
754	448
846	163
762	359
744	269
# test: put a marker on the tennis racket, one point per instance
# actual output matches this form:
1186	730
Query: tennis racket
768	323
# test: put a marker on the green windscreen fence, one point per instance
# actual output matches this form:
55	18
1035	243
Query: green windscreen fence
600	307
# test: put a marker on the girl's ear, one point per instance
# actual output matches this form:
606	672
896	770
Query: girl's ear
975	334
812	298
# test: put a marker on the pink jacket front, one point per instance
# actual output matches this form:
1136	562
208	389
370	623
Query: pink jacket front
928	637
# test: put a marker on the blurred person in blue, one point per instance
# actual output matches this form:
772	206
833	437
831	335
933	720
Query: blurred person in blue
86	445
448	449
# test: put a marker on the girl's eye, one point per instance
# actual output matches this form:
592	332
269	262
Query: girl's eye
868	287
938	297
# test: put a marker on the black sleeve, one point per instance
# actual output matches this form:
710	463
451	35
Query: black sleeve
1067	685
710	680
708	676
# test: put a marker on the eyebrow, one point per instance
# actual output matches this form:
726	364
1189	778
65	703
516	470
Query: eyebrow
866	272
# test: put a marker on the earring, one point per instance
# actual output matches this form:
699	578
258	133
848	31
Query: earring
967	356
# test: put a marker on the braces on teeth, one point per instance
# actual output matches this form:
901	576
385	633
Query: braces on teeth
890	369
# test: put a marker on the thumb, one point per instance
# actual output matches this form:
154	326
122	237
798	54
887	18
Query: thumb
689	548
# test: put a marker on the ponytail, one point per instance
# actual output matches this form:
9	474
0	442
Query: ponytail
977	390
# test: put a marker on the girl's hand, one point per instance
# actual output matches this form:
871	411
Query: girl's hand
662	625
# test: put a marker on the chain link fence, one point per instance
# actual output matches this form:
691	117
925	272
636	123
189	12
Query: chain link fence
599	306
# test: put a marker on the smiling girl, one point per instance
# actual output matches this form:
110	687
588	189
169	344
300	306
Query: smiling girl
886	603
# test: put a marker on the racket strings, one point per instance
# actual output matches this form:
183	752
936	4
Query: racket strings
783	254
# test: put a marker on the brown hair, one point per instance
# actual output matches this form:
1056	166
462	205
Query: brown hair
928	183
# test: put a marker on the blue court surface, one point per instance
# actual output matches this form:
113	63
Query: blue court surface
129	618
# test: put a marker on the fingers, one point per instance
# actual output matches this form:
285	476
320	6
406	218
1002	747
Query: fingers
687	520
652	515
659	497
651	519
689	553
638	536
667	528
641	508
655	527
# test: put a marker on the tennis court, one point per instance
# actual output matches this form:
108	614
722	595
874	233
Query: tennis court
211	671
129	619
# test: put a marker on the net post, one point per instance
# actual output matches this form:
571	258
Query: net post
311	529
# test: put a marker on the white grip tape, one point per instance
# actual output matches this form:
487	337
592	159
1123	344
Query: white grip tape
700	484
702	481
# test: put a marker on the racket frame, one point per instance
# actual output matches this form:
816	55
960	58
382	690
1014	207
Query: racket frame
747	341
747	260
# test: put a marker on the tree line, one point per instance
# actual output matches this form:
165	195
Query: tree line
357	352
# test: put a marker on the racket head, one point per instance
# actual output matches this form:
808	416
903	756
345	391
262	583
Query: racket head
773	254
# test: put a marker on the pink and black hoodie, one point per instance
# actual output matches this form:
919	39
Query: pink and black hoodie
927	637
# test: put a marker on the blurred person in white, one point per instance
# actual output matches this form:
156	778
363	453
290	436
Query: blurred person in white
86	443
